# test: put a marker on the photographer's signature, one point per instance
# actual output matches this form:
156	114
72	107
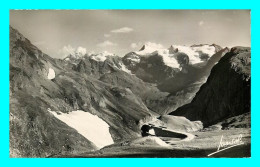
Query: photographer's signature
224	145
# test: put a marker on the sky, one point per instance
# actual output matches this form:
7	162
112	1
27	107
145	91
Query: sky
61	32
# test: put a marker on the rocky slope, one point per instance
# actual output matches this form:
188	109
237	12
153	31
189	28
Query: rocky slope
38	82
226	92
33	131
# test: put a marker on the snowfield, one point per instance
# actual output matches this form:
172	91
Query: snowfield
90	126
193	52
170	60
51	74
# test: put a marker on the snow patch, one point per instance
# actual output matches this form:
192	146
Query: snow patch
67	59
90	126
134	58
51	74
123	68
169	59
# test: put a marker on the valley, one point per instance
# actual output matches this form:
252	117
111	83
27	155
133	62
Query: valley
154	102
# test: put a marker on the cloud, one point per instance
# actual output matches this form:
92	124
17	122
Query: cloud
66	50
122	30
107	35
136	45
201	23
69	50
92	52
154	45
106	43
81	50
148	44
133	45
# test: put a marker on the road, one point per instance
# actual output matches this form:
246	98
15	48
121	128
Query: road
170	136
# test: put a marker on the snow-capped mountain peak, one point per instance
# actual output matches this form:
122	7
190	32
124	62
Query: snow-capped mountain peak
75	55
101	56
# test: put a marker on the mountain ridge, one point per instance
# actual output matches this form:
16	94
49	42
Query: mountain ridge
223	96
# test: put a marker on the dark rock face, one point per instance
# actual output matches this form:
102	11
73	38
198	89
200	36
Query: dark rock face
182	59
173	50
226	92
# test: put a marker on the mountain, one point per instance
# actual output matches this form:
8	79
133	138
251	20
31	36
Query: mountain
159	65
43	89
178	70
34	132
88	101
227	90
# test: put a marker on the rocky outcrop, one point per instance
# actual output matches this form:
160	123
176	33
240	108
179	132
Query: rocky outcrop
226	92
